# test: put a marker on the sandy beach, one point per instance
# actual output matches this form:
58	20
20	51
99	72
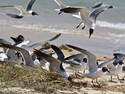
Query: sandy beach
107	87
107	38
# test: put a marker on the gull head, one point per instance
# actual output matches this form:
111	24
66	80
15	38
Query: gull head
34	13
104	69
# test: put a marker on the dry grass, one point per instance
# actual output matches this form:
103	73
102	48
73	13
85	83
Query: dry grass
63	47
35	78
42	81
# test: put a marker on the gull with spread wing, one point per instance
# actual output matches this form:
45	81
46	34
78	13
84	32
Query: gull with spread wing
23	12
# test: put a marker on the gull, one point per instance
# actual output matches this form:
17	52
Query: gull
19	42
9	54
23	12
116	70
13	57
55	64
87	17
77	62
94	71
123	70
24	53
71	9
118	66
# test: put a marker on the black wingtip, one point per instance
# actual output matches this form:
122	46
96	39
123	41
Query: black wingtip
55	37
14	39
58	52
97	5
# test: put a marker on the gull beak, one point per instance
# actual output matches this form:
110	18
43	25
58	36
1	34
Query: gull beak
108	71
90	32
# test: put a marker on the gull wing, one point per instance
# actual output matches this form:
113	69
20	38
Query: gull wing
97	11
79	56
20	8
25	54
31	47
29	7
117	58
98	4
105	63
58	52
41	43
91	57
55	37
54	63
4	41
60	4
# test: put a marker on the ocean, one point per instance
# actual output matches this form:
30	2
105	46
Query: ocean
109	34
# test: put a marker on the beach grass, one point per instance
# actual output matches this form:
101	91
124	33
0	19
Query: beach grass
34	78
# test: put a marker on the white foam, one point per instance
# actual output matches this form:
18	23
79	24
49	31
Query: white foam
113	35
111	25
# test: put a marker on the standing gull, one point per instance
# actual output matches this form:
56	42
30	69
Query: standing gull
117	67
94	71
23	12
77	62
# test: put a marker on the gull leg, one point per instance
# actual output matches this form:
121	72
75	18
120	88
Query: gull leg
98	83
111	79
84	71
79	24
123	78
93	83
119	79
76	75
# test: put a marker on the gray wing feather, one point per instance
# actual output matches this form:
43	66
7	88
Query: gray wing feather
58	52
31	47
54	63
4	41
96	12
91	58
55	37
60	4
29	7
79	56
105	63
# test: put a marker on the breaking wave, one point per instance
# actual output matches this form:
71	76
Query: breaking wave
111	25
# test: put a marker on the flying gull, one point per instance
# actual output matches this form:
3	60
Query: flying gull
23	12
88	18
